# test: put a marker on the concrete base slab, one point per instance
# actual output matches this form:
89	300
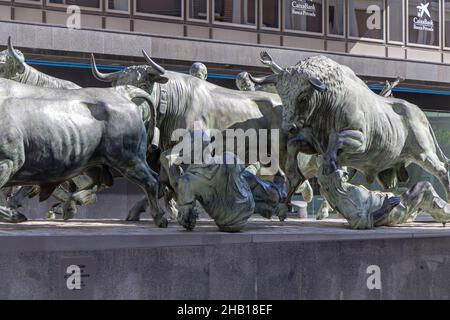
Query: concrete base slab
297	259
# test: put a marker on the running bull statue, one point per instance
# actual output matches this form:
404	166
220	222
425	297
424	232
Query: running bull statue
14	67
52	135
378	136
308	166
183	100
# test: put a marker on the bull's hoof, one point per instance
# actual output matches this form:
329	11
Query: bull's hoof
162	222
69	210
322	215
135	212
283	214
189	227
133	219
11	216
133	216
50	215
18	218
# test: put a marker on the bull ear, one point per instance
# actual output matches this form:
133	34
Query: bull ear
317	84
162	80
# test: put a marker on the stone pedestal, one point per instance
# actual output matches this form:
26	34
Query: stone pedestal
297	259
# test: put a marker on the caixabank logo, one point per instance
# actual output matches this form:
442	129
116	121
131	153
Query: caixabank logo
423	20
304	8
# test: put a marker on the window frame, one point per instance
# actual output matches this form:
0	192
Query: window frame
143	14
238	25
261	17
107	9
365	38
286	30
188	12
443	26
344	21
60	5
416	45
403	24
38	3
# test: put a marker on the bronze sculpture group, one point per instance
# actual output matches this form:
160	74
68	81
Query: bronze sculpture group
69	142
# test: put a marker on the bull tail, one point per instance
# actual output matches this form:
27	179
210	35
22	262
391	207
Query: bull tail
148	116
439	151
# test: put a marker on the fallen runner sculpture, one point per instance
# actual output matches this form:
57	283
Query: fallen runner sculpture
365	209
227	192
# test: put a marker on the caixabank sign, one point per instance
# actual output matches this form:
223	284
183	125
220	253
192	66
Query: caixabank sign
423	21
304	8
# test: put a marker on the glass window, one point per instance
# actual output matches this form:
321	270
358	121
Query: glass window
447	23
304	15
395	20
235	11
198	9
423	22
366	19
119	5
270	14
336	17
170	8
81	3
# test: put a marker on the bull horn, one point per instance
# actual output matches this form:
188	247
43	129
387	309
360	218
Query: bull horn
267	60
160	70
13	53
271	79
105	77
317	84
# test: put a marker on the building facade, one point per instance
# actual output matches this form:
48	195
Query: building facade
378	39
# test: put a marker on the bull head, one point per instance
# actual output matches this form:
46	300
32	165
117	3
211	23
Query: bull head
143	76
296	88
12	62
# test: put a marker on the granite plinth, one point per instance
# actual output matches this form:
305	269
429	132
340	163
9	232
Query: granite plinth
296	259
